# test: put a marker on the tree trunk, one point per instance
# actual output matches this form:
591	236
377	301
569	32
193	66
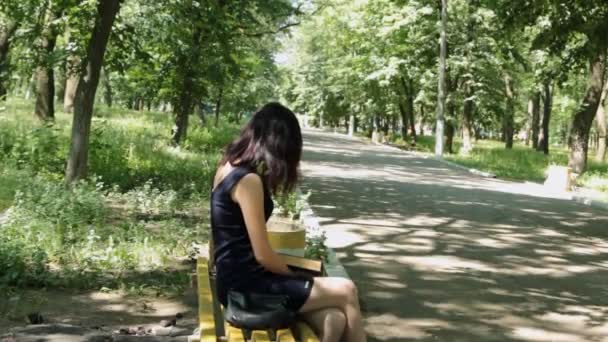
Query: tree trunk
449	137
200	111
218	106
385	126
467	120
185	102
107	87
543	136
533	121
601	126
579	133
535	114
71	84
321	123
60	92
182	111
351	125
410	110
404	123
529	122
5	40
86	89
45	78
421	128
441	87
509	112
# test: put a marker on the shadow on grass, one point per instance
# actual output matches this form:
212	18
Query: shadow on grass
440	255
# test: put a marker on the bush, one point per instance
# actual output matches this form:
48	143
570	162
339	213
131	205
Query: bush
48	214
39	149
143	206
22	264
80	205
210	138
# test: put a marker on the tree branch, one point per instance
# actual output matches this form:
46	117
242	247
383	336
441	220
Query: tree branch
280	29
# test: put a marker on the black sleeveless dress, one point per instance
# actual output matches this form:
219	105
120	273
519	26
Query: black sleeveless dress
236	266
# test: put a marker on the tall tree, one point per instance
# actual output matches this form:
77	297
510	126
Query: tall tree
86	89
441	87
579	134
45	78
574	31
534	117
601	126
543	136
7	29
509	115
467	120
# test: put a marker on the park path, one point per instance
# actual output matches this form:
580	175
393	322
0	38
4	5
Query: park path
440	254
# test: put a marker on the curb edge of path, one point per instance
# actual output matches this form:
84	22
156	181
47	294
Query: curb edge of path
333	267
585	200
442	160
591	202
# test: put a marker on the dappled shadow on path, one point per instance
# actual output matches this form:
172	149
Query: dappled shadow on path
106	311
441	255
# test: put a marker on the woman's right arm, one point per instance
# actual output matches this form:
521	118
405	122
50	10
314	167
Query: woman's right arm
249	194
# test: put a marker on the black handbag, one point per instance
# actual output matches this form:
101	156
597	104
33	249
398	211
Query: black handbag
256	311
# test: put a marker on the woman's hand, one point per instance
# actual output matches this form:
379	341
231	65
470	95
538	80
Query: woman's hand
249	194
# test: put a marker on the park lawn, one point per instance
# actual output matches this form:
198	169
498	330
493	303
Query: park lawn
130	226
520	163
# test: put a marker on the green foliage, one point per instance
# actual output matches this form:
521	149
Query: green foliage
37	149
127	226
291	204
45	204
316	247
21	264
211	139
10	180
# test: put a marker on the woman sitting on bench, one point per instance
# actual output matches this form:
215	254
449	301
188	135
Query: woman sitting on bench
262	161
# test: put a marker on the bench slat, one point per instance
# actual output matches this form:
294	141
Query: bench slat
260	336
205	302
285	336
207	321
234	334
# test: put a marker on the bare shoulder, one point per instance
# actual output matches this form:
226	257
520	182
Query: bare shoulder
251	180
250	185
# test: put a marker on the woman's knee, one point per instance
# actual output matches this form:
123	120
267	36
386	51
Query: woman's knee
331	292
349	289
336	320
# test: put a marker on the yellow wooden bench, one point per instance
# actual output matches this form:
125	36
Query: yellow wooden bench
211	321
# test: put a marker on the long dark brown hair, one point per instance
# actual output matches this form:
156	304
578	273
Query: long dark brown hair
271	142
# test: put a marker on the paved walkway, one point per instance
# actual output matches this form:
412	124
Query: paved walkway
440	254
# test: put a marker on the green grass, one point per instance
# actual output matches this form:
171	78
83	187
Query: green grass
9	182
520	163
139	213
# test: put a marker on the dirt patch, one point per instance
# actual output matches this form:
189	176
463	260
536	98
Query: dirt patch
97	310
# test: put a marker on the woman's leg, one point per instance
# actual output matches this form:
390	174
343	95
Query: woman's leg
341	293
328	323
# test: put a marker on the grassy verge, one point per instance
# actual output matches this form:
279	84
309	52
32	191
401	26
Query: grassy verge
520	163
129	226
